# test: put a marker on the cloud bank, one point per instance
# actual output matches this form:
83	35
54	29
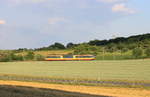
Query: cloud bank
122	9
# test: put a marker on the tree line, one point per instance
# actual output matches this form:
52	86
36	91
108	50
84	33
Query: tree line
12	56
119	43
139	46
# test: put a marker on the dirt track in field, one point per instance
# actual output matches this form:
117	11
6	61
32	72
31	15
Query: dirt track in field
117	92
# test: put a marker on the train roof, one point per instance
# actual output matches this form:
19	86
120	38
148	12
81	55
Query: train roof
69	55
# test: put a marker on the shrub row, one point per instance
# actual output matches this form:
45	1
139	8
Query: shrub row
8	57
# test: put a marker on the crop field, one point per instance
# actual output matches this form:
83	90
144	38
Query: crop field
122	70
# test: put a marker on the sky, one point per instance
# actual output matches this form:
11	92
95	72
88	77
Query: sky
38	23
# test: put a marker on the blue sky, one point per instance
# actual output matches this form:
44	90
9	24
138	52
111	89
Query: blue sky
38	23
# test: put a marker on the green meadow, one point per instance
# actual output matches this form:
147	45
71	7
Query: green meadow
105	70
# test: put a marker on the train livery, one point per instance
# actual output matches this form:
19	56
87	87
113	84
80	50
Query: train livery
69	57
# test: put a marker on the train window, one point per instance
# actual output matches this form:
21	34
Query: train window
54	57
84	56
68	56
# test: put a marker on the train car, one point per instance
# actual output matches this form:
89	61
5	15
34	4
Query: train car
69	57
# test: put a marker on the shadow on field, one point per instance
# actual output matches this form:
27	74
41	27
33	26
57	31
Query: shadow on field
18	91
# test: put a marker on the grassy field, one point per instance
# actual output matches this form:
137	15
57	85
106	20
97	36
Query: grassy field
107	70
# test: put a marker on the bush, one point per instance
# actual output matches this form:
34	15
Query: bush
5	57
29	56
137	52
147	52
10	57
124	50
39	57
15	57
18	58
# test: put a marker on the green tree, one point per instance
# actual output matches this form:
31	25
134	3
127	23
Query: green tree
124	50
39	57
29	56
147	52
56	46
111	47
5	57
137	52
86	49
71	45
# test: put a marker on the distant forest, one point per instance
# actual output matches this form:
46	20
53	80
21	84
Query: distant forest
142	41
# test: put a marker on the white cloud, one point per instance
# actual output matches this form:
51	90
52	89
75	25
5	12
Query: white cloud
2	22
56	20
37	1
122	8
26	1
110	1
